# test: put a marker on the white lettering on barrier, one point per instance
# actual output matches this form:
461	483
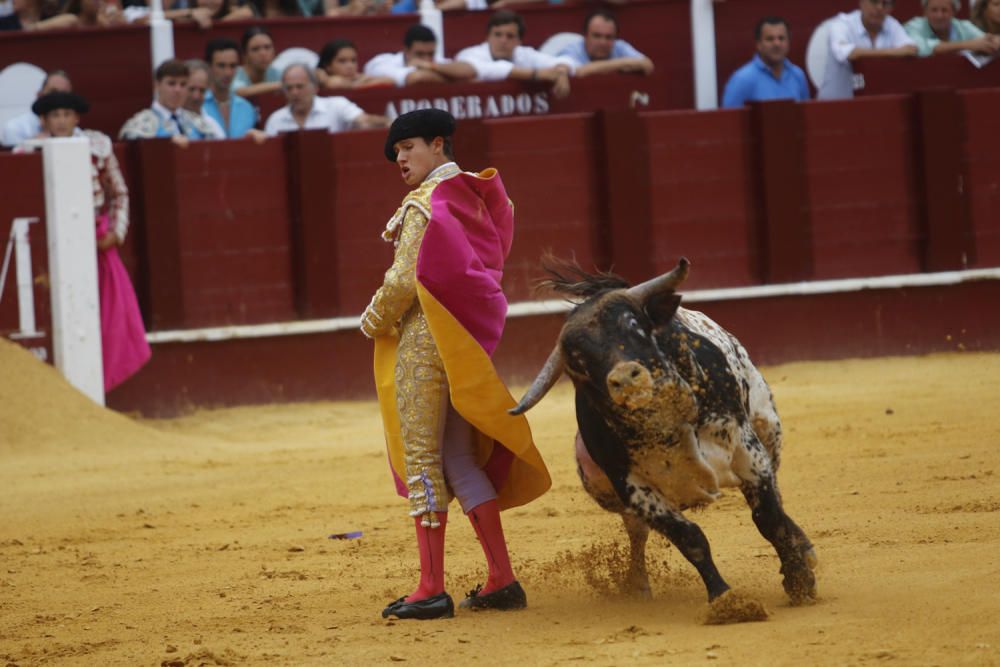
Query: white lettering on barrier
475	106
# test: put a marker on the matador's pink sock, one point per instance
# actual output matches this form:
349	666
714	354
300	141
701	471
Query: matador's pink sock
485	520
430	542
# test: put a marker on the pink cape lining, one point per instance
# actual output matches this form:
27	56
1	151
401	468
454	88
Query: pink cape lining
461	264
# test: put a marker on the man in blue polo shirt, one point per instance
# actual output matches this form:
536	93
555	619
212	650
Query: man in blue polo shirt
770	75
235	115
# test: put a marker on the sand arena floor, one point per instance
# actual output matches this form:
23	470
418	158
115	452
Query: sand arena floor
203	540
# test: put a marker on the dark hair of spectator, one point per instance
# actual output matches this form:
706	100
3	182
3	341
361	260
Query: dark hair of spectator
287	8
220	44
604	14
55	72
252	32
770	20
331	49
418	33
172	67
504	17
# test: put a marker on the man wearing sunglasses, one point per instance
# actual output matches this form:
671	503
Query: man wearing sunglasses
867	32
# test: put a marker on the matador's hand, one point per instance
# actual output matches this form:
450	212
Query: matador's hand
371	322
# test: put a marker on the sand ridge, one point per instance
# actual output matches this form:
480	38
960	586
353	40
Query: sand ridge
203	540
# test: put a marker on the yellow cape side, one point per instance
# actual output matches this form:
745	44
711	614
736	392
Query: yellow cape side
479	395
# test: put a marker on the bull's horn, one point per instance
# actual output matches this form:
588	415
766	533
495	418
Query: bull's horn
547	377
667	282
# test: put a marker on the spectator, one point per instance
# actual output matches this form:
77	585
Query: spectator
167	118
600	51
769	75
938	31
502	56
257	76
416	63
338	68
867	32
124	349
94	13
236	116
986	16
30	15
194	98
28	124
306	111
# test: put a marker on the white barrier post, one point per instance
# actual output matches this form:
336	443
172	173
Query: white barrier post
25	281
706	93
161	34
69	218
433	18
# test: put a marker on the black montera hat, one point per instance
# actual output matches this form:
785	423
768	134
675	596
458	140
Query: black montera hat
59	100
420	123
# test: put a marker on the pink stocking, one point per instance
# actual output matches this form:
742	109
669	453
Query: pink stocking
485	520
430	542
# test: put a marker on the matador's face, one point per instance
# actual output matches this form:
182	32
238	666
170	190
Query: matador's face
417	158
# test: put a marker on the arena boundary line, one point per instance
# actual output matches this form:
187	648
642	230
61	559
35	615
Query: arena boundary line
552	306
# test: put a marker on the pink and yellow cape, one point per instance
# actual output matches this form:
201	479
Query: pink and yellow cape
459	268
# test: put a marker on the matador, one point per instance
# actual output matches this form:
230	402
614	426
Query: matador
436	320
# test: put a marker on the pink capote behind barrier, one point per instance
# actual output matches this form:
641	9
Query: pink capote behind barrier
123	337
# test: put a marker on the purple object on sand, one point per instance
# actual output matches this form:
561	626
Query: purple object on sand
346	536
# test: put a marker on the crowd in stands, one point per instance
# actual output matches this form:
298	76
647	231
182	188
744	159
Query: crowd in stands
870	31
213	98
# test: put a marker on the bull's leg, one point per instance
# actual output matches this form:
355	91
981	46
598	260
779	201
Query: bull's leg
683	534
793	547
597	484
637	578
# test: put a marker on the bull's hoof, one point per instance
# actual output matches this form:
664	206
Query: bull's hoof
799	582
809	556
734	607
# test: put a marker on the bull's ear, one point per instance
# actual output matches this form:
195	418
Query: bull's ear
661	307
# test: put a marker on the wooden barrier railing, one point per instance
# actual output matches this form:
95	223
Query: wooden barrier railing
233	232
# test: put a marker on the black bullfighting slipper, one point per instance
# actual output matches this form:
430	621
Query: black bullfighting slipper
509	597
392	605
436	606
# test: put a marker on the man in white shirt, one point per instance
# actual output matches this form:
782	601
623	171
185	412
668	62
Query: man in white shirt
27	124
416	63
502	56
867	32
306	111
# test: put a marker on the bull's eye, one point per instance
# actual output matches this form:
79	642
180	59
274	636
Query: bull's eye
633	325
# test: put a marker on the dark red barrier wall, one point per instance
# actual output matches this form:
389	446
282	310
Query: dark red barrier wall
235	232
982	164
23	197
704	198
862	187
217	233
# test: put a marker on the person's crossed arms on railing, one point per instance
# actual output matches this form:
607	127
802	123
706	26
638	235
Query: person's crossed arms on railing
938	32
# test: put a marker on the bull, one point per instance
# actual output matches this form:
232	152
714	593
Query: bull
670	409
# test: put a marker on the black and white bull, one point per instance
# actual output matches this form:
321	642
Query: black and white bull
670	409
